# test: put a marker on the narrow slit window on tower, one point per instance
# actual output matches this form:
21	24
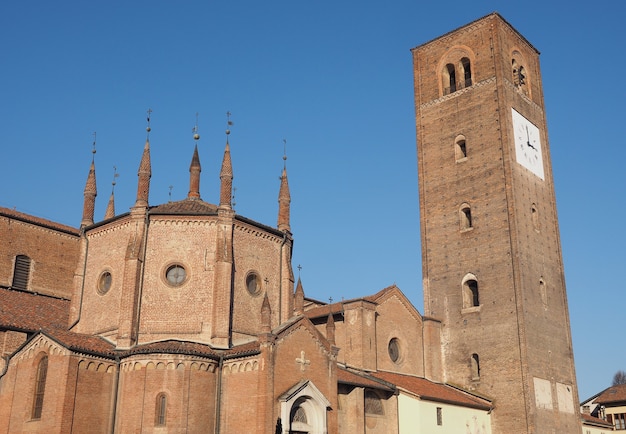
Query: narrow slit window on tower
535	216
21	272
161	409
470	293
467	72
460	148
543	293
439	416
475	362
449	79
40	387
465	217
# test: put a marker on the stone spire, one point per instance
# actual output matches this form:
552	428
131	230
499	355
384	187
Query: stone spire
110	211
299	299
226	174
284	198
90	192
194	176
145	172
266	315
195	168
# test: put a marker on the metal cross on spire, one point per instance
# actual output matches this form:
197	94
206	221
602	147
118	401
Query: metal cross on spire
148	129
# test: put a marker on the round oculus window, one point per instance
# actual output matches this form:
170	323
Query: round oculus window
394	350
253	283
104	282
176	275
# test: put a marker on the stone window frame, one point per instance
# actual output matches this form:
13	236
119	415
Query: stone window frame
470	294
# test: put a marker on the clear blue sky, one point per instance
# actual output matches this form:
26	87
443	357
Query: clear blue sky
335	80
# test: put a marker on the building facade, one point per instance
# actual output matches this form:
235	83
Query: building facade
187	317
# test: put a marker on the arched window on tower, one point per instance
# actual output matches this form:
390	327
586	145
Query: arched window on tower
475	366
470	291
21	272
519	74
460	148
467	72
40	387
161	410
465	217
449	79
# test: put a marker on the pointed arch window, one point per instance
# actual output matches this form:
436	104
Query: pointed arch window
465	217
470	292
460	148
475	366
449	79
467	72
21	272
161	410
40	387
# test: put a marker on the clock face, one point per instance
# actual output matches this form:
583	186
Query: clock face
527	144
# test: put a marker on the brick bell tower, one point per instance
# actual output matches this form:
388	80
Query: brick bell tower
492	265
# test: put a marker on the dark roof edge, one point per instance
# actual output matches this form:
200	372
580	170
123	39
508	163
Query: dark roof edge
474	22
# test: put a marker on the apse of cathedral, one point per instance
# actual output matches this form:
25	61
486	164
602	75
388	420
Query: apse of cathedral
187	317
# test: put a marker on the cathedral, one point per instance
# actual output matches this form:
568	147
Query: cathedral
186	317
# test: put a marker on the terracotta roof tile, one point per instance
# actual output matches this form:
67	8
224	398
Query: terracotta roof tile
428	390
595	420
38	221
185	207
612	394
25	311
82	343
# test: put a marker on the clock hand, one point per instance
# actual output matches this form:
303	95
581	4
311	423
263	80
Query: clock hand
528	139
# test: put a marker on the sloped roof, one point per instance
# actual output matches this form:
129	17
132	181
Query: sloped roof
185	207
612	395
431	391
591	420
38	221
28	312
361	379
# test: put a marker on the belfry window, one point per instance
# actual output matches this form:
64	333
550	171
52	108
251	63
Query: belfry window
40	387
21	272
520	80
467	72
449	79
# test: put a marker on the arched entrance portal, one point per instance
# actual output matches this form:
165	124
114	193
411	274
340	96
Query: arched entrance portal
303	410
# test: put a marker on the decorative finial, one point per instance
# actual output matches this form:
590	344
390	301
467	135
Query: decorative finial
93	151
285	153
115	175
170	193
196	136
299	270
148	129
330	300
229	123
233	197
